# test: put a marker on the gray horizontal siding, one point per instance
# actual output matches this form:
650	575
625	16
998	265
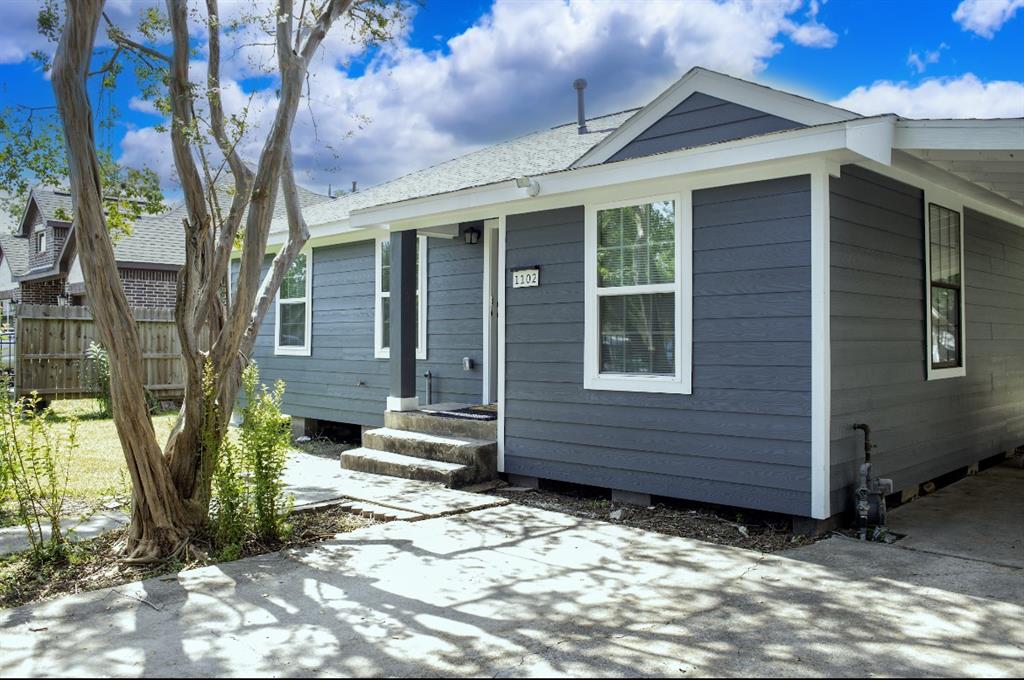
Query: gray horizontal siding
342	381
702	119
743	437
922	428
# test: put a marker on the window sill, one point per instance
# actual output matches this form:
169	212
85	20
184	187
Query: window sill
943	373
293	351
421	355
629	383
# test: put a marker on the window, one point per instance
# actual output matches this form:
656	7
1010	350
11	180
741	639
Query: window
638	295
41	241
293	314
945	304
382	308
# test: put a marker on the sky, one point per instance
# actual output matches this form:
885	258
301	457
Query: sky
463	74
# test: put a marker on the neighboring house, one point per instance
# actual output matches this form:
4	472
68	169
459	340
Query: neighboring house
42	256
13	261
697	299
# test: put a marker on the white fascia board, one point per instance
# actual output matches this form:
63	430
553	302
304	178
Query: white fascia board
327	234
745	93
825	139
872	138
955	135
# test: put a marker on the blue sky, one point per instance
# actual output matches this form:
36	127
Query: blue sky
472	72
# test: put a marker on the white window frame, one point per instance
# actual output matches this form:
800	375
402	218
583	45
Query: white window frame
41	240
379	351
297	350
951	201
682	287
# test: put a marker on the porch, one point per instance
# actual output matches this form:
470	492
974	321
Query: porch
452	443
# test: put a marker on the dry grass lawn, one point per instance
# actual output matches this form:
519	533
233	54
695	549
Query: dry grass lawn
97	466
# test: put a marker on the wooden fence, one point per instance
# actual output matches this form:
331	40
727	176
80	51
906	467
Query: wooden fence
51	343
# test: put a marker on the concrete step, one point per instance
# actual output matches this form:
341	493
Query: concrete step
476	453
445	426
378	512
408	467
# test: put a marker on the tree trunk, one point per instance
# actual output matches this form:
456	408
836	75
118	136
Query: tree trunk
171	489
160	521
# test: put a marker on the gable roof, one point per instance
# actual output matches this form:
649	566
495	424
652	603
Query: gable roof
744	93
12	248
53	203
537	153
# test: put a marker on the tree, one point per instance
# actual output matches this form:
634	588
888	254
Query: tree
171	487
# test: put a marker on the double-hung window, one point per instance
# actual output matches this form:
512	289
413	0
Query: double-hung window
382	308
638	304
945	305
294	321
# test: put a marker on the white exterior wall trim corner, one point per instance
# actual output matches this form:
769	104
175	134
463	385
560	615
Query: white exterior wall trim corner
501	342
821	355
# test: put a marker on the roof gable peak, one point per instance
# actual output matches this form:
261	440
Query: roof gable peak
719	85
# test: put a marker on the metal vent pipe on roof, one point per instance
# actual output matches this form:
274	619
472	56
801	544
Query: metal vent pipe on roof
581	117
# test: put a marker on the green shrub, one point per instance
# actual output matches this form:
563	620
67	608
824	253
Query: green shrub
37	466
97	367
248	481
265	437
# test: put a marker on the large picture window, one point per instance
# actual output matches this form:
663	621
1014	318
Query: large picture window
638	305
293	314
945	290
382	321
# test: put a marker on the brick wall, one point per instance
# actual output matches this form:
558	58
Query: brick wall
36	259
149	287
41	292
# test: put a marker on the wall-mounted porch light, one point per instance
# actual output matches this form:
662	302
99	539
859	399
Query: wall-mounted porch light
472	236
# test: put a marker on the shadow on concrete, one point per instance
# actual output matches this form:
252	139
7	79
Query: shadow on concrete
516	591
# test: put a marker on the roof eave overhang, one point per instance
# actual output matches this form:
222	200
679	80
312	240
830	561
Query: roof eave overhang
862	138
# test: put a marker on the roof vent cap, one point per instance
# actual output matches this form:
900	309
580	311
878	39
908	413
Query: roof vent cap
581	117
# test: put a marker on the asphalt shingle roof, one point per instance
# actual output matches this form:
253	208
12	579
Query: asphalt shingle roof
540	152
160	239
54	204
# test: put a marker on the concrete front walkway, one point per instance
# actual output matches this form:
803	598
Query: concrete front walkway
312	481
515	591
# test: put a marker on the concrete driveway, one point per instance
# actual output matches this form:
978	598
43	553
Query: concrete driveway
514	591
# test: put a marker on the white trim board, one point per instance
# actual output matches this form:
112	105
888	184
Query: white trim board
489	370
502	237
821	351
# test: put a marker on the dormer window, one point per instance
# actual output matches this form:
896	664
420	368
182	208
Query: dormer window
41	241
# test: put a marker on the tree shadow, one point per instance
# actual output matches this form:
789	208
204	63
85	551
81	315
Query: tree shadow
516	591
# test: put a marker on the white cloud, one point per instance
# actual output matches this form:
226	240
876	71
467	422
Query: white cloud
508	74
813	33
919	62
985	17
20	36
962	97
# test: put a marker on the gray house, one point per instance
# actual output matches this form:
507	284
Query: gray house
696	299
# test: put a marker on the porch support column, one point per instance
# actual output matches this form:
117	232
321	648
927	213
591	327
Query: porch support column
403	322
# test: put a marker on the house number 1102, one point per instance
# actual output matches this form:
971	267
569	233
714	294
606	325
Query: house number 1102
526	278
